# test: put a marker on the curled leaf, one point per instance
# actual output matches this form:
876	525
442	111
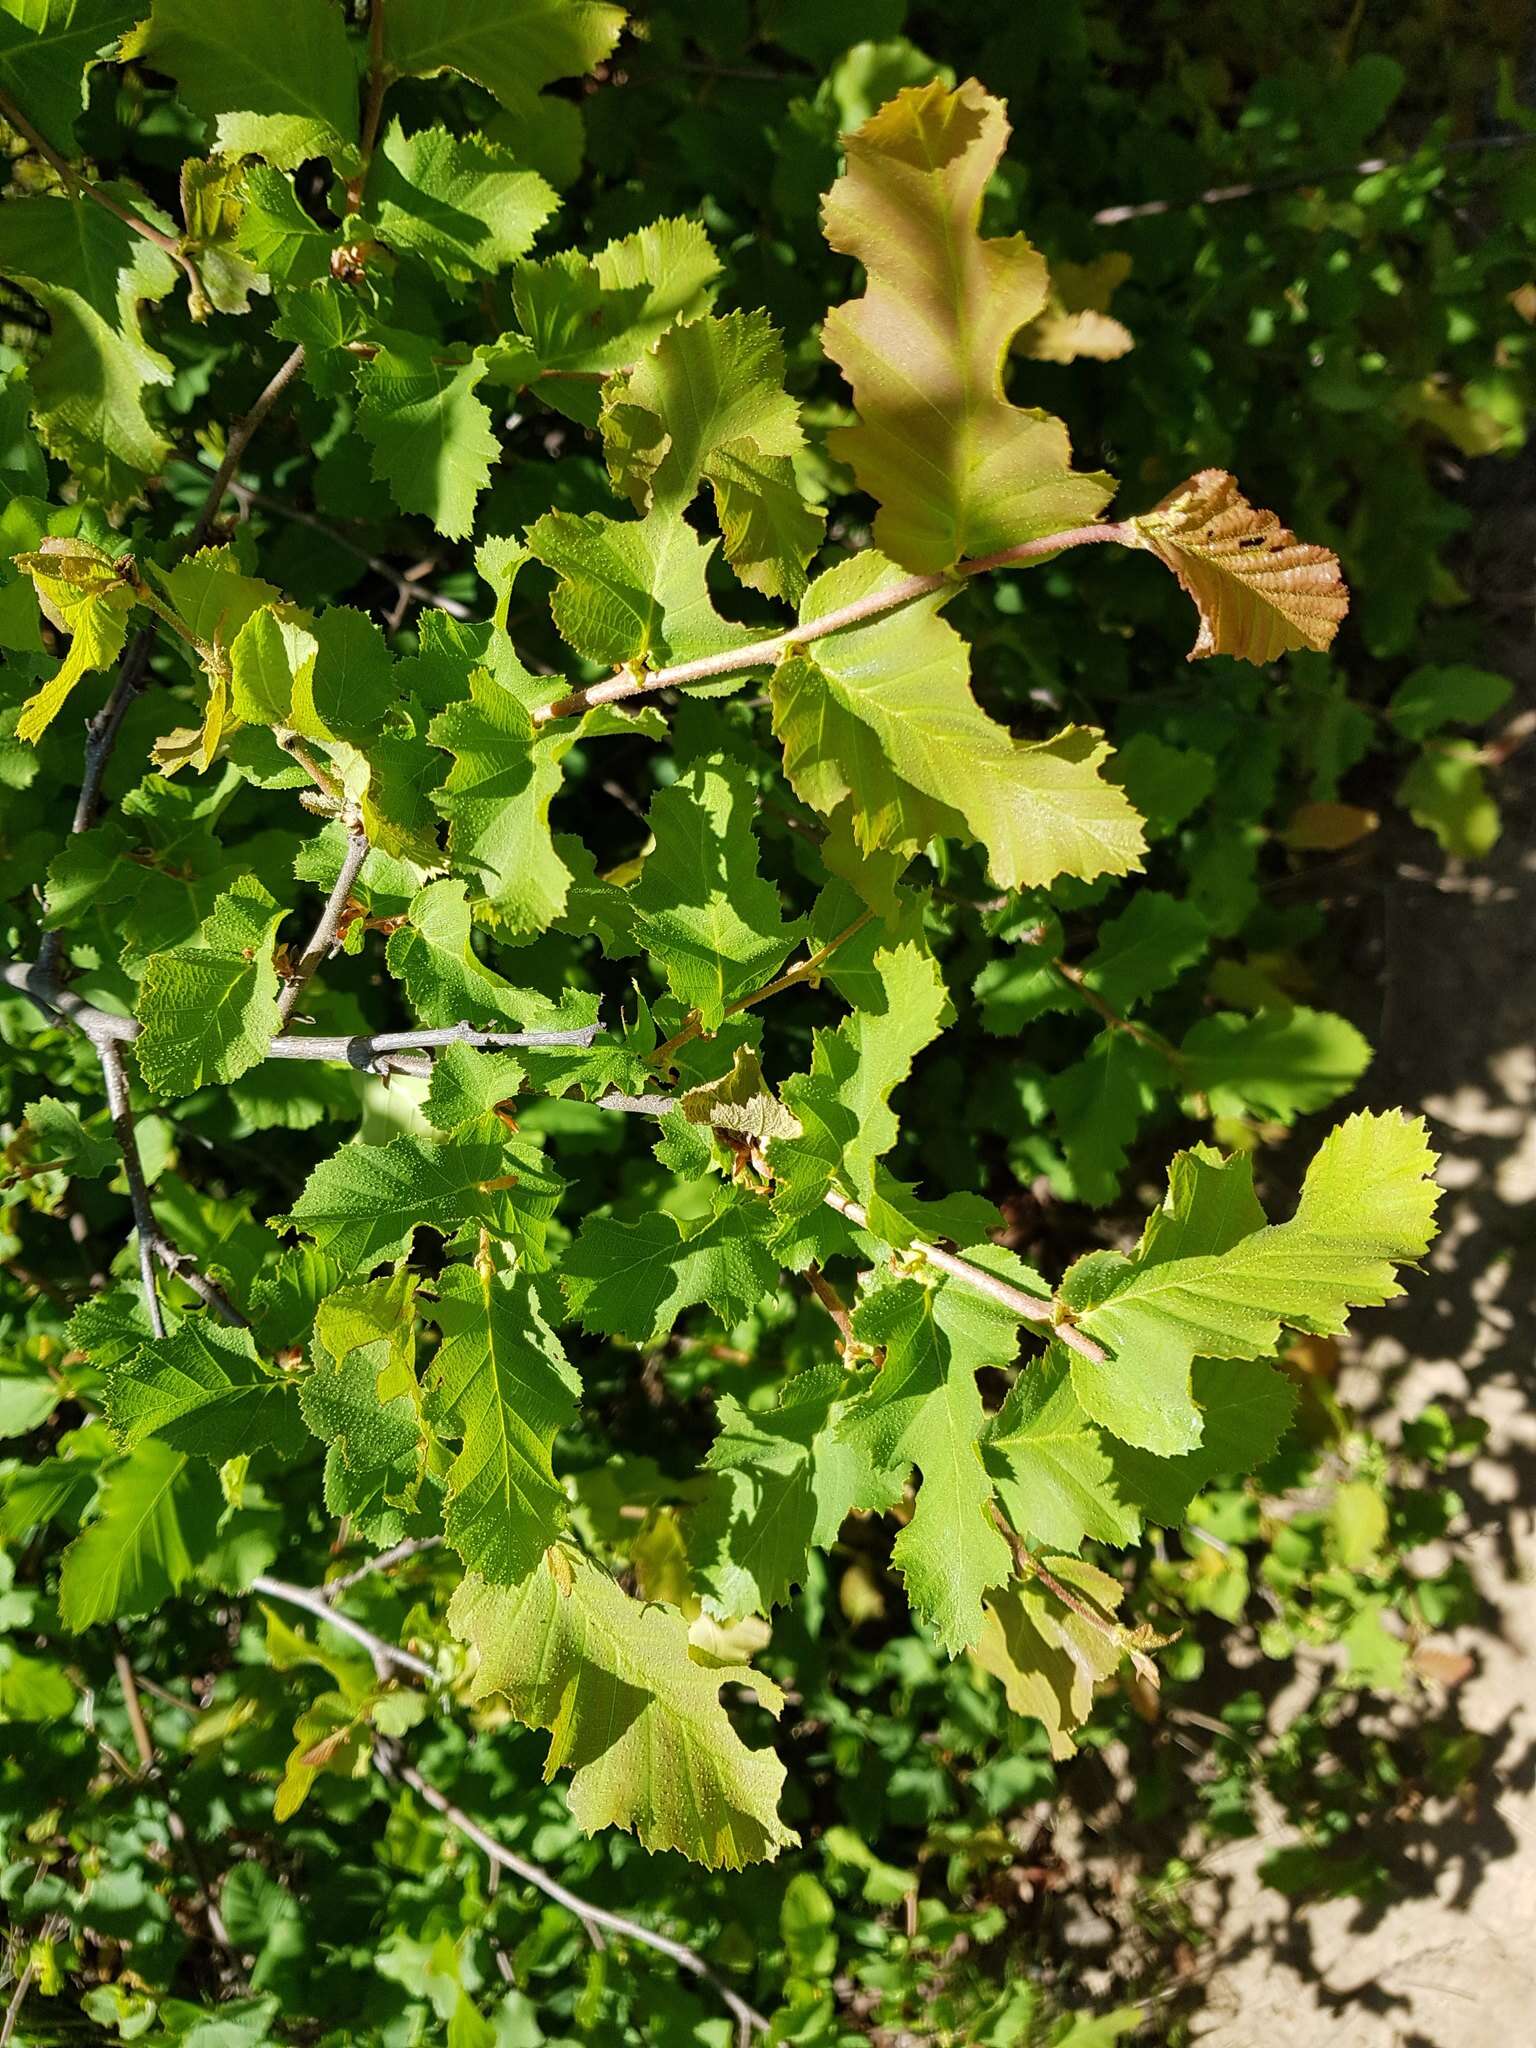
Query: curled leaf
741	1101
1259	591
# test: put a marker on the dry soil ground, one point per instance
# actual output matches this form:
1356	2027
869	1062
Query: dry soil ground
1452	1963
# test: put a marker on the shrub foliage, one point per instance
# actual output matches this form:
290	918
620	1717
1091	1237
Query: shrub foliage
680	1078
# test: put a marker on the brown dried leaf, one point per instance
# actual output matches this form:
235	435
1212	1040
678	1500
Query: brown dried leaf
1259	591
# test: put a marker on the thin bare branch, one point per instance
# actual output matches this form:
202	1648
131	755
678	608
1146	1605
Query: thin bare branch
17	2000
764	653
1293	181
184	1267
830	1300
239	438
1034	1308
747	2017
110	1053
32	978
79	183
408	587
315	1603
328	928
378	83
1142	1033
128	1686
363	1050
413	1546
176	1827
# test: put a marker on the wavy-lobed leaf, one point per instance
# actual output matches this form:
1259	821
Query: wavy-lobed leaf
634	1718
956	468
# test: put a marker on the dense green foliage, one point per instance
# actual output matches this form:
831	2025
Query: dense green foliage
631	1026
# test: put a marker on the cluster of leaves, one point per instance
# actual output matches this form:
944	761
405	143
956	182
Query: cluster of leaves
432	1275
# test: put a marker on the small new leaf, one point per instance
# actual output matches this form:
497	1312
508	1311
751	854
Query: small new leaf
82	593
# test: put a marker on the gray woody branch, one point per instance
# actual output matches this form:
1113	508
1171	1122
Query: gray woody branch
393	1763
390	1049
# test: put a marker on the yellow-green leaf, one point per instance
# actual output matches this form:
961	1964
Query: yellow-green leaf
629	1711
957	467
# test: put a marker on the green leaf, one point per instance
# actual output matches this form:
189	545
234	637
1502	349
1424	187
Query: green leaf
90	272
447	982
211	596
1259	591
883	713
632	590
1431	698
500	1383
1016	987
462	204
1280	1063
1245	1409
363	1400
629	1712
208	1010
508	46
364	1204
704	913
783	1480
1099	1105
431	436
47	48
1146	948
1052	1470
61	1142
506	773
1446	792
277	234
924	1406
843	1104
583	317
1210	1280
154	1519
635	1279
707	402
280	81
467	1084
1146	1399
203	1390
956	468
